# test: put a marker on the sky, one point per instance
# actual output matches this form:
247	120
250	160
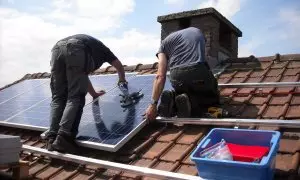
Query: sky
29	29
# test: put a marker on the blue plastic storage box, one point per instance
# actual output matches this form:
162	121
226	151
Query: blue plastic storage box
236	170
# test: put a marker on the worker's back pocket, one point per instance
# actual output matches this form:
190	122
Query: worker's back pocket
75	57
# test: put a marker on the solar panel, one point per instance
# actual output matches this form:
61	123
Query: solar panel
106	125
19	88
31	109
22	102
105	82
18	110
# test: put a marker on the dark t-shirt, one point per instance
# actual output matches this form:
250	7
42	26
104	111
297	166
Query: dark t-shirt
184	48
99	53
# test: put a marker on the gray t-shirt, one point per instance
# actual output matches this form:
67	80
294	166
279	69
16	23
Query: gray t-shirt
98	51
184	48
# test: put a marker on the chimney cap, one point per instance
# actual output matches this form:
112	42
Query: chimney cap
199	12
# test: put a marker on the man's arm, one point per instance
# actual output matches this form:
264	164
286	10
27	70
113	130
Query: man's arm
159	82
120	69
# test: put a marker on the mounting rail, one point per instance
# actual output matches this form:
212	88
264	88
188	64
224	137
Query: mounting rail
111	165
232	122
264	84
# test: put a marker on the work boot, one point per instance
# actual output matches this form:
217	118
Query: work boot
49	144
183	106
65	144
165	108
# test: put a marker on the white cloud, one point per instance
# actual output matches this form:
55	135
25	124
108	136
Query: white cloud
227	8
248	48
290	18
174	2
26	39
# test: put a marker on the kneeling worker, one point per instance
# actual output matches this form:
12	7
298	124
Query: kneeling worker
73	58
183	52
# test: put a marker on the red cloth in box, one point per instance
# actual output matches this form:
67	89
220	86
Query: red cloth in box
247	153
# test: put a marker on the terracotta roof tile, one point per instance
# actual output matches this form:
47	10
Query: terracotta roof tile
279	65
187	160
130	68
166	166
287	163
295	100
191	135
143	162
49	171
176	153
83	174
292	72
37	166
294	64
147	66
291	133
258	73
170	134
293	112
187	169
242	73
289	146
274	111
156	150
287	79
223	80
249	90
237	80
227	74
67	171
228	91
259	100
280	99
274	72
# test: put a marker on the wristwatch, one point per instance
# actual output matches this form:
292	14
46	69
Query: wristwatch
153	102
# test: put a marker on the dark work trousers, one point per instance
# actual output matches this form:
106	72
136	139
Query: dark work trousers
69	85
199	84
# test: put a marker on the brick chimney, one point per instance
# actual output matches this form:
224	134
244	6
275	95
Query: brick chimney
221	35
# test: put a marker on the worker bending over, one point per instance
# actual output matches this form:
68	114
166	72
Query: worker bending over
73	58
183	53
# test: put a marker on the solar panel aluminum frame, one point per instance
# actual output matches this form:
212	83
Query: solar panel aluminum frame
113	148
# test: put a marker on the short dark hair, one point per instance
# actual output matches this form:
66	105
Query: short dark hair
184	23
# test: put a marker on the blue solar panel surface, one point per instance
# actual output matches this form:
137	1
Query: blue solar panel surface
18	89
33	107
104	82
23	102
106	122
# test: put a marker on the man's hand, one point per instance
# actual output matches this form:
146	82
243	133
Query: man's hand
98	93
151	112
123	84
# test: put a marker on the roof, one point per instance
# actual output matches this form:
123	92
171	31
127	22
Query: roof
200	12
168	147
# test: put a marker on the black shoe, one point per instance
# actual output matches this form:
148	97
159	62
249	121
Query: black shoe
165	108
49	144
183	106
65	145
